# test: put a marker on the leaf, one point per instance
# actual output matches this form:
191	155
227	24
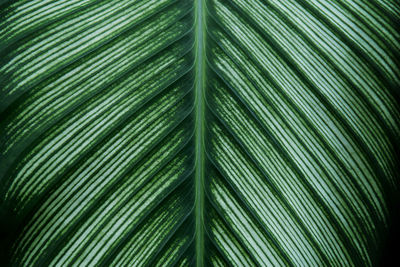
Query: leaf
176	132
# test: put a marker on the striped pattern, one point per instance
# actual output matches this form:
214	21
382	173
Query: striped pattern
302	124
206	132
97	138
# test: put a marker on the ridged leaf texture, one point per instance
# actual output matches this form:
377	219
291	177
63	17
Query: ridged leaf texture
198	133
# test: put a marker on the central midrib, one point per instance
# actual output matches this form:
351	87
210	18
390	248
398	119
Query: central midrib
199	124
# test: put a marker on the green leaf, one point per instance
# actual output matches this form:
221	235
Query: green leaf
204	133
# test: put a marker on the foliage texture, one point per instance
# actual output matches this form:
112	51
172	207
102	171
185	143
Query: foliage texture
205	132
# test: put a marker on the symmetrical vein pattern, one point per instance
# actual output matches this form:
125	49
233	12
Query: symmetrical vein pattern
205	132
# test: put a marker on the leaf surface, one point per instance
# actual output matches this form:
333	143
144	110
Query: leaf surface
206	133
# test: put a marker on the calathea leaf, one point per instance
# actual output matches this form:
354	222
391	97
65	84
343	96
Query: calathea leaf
206	133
